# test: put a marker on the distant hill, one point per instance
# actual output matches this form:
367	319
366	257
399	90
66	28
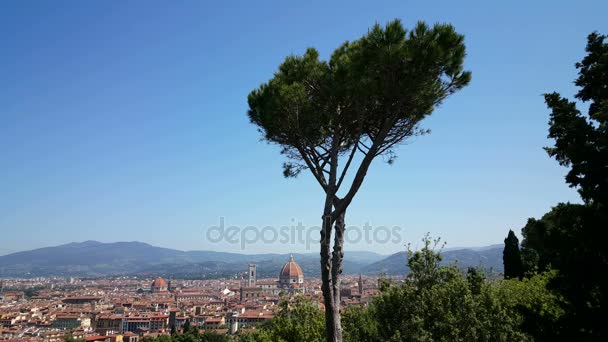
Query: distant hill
489	257
93	259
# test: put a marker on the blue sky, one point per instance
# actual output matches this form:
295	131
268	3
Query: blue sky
127	121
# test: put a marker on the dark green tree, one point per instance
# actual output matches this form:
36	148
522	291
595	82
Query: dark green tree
564	239
572	237
511	257
554	240
334	116
581	141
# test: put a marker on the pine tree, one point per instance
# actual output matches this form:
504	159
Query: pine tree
335	117
511	257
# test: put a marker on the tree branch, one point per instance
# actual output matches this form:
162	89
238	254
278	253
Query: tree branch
347	165
313	169
363	167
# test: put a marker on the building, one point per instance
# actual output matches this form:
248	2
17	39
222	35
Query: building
159	322
215	322
251	292
135	324
81	300
291	278
108	324
159	285
70	321
248	319
252	275
192	296
13	295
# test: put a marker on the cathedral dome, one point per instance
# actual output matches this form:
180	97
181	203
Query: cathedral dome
159	284
291	273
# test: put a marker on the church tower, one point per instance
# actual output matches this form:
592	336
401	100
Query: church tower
252	275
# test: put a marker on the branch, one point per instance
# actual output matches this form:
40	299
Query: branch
350	159
397	138
363	167
314	169
361	150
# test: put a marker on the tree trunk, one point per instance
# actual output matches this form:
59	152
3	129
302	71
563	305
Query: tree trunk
333	328
336	272
331	266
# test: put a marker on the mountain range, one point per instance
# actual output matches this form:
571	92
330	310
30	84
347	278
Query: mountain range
97	259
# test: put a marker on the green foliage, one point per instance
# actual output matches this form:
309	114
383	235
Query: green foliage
424	270
259	335
434	304
301	321
293	322
210	336
511	256
378	88
475	279
539	308
360	324
441	304
192	335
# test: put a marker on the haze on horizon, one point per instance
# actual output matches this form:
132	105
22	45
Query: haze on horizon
127	122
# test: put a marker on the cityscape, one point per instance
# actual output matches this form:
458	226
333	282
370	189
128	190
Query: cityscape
312	171
133	308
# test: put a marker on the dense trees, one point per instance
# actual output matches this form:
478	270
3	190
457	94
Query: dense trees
441	304
511	257
329	116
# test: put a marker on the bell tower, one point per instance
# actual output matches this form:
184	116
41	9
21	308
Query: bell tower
360	285
252	275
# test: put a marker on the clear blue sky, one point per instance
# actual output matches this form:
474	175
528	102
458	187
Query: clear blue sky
127	121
